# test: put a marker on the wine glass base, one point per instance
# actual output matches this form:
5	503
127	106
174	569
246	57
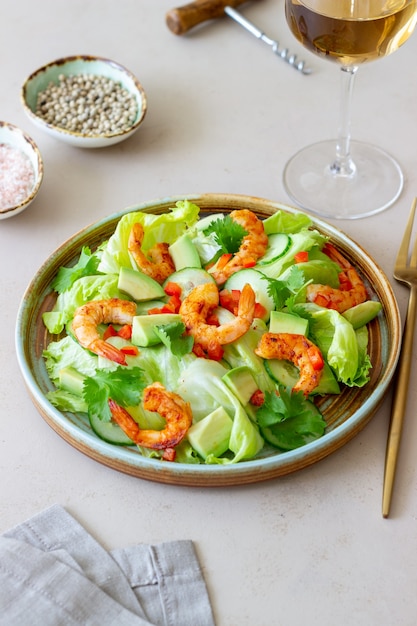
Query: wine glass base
375	185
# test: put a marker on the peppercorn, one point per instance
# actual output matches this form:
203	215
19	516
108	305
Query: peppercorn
87	104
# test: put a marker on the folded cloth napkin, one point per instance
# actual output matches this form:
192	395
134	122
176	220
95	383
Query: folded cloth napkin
53	572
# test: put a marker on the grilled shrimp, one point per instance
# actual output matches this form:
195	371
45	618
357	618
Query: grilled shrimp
253	245
90	315
197	306
351	292
175	411
157	262
297	349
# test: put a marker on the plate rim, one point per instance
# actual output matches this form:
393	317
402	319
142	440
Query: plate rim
244	472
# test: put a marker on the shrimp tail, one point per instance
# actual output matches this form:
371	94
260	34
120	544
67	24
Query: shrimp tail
108	351
124	420
246	306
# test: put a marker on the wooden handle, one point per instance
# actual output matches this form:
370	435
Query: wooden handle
182	19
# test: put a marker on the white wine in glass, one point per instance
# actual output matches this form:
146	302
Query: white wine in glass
342	178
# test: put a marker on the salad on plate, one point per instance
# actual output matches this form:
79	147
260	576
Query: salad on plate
205	339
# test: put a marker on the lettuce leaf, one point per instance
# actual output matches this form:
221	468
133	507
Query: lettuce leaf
84	289
342	347
166	227
283	222
157	362
86	265
202	386
66	401
303	241
245	440
68	353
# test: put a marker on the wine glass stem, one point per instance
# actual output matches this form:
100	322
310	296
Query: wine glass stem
343	164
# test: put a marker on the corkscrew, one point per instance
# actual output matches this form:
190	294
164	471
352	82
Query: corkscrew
182	19
283	53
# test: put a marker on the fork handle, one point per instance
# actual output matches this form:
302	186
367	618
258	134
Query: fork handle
399	401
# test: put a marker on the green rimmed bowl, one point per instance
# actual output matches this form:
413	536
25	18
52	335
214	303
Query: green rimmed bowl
75	66
345	414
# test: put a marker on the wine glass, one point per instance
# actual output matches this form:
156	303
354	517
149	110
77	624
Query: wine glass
343	178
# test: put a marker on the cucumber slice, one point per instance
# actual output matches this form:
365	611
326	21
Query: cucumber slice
205	221
109	431
286	374
278	245
258	284
188	278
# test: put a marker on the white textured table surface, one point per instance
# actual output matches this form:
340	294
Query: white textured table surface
224	115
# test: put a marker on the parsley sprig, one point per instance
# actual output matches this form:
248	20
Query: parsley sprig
123	385
172	336
288	420
228	234
285	292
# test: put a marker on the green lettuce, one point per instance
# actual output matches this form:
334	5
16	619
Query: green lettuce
68	353
202	386
157	362
66	401
99	287
344	349
303	241
166	227
283	222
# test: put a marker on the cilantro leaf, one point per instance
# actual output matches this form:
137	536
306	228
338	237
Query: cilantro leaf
123	385
172	336
289	420
279	407
295	279
86	266
296	432
228	234
278	291
285	292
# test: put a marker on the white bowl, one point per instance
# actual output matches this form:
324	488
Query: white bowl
12	136
39	80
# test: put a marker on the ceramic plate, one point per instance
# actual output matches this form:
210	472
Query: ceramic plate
345	414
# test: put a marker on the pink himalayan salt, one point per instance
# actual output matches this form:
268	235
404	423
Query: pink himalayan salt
17	177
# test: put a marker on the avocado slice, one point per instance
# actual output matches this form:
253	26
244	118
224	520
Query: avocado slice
71	380
184	253
211	435
143	327
281	322
138	285
363	313
241	382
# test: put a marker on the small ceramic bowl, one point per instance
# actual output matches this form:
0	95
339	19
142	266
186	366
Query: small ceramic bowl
21	170
93	66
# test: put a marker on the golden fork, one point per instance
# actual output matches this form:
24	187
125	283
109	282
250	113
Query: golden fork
405	272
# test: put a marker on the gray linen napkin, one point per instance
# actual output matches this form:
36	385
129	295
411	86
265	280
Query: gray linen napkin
53	572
